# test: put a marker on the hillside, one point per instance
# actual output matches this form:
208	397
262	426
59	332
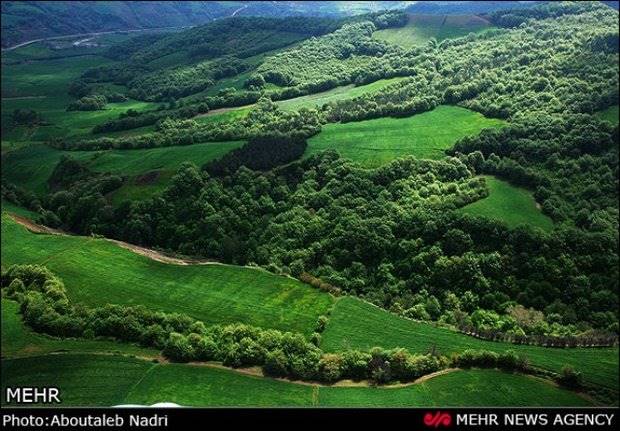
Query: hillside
359	204
25	21
205	292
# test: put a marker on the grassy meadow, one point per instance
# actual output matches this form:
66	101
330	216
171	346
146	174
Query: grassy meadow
421	28
97	272
83	380
475	388
378	141
32	165
42	85
356	324
338	93
112	380
510	204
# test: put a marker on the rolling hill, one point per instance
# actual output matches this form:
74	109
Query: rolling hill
213	293
23	21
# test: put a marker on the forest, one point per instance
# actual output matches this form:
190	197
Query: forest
396	234
391	234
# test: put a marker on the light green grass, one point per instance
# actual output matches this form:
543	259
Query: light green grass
610	114
113	380
338	93
83	380
223	115
97	272
19	340
475	388
421	28
195	385
510	204
15	209
357	324
378	141
31	166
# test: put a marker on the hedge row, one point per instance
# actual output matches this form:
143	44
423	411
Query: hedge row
46	308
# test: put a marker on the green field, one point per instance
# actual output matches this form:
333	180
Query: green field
375	142
357	324
31	166
195	385
510	204
472	388
20	341
338	93
14	209
83	380
98	272
42	86
223	115
610	114
113	380
421	28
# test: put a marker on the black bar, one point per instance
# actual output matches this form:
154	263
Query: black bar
412	419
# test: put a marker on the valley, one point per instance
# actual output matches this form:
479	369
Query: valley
319	205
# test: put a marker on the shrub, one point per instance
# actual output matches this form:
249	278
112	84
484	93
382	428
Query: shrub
330	367
570	378
321	323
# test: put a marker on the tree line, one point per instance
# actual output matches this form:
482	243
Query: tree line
46	308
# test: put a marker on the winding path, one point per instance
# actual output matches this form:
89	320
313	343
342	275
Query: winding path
147	252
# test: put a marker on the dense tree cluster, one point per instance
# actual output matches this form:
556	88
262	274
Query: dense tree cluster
183	80
571	161
46	308
77	196
245	37
125	49
266	122
89	103
331	58
556	65
563	62
201	55
26	117
131	119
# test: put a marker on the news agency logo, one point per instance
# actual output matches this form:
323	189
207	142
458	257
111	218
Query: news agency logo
437	419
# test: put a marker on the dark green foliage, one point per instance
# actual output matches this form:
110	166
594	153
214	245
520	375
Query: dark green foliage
516	17
570	160
26	117
266	126
260	153
203	56
570	378
77	200
132	119
125	49
67	172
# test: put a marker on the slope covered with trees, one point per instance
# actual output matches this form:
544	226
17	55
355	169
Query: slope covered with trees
523	109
